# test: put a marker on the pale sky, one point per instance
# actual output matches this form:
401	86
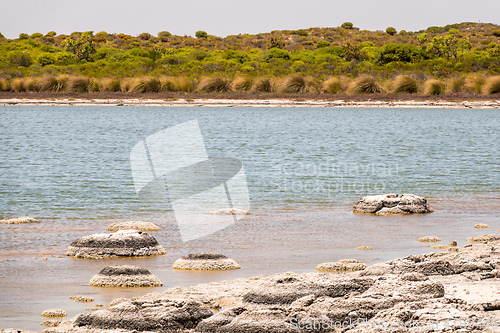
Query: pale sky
231	17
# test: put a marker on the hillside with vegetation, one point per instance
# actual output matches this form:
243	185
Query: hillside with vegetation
459	58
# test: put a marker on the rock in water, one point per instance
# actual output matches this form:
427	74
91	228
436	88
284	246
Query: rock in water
54	313
205	261
388	204
125	276
124	243
133	225
165	315
18	220
229	211
344	265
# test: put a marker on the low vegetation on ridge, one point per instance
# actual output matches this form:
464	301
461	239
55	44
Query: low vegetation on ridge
458	58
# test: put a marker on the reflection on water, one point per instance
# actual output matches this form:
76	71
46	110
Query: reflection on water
69	168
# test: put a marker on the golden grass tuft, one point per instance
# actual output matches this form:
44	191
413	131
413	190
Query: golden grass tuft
168	84
79	84
184	84
298	84
434	87
145	84
4	85
110	85
332	85
365	85
456	84
404	84
474	83
492	86
49	83
215	85
242	83
18	85
264	84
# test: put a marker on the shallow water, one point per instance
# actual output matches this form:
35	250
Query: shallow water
69	167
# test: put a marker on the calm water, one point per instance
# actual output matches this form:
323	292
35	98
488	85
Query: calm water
69	167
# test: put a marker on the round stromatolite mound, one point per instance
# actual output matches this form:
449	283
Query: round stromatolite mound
344	265
54	313
205	261
123	243
429	239
18	220
133	225
125	276
229	211
388	204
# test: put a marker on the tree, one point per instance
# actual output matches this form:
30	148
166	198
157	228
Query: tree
24	36
51	34
145	36
347	25
391	31
164	36
83	47
201	34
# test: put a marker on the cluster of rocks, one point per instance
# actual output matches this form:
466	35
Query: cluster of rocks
435	290
123	243
18	220
388	204
205	261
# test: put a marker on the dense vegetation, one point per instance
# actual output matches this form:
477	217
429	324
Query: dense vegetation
461	57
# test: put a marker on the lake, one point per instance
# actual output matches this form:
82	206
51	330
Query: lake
70	168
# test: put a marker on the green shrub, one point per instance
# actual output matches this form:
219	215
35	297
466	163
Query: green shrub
201	34
301	32
36	35
492	86
298	84
399	53
322	43
434	87
495	33
391	31
46	58
276	53
347	25
365	85
332	85
1	35
264	84
242	83
215	85
404	84
24	36
145	36
164	36
51	34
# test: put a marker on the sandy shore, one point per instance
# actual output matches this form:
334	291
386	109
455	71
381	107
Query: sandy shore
206	102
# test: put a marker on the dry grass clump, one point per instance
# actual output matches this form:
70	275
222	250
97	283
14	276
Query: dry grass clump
184	84
264	84
332	85
365	85
110	85
215	85
434	87
242	83
79	84
18	85
405	85
298	84
492	86
456	84
49	83
474	83
168	84
4	85
144	84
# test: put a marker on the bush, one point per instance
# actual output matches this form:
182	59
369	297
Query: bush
49	83
404	84
399	53
164	36
214	85
391	31
36	35
492	86
298	84
322	43
201	34
264	84
144	84
347	25
110	85
24	36
495	33
242	83
332	85
46	58
145	36
276	53
18	85
456	84
79	84
474	84
365	85
434	87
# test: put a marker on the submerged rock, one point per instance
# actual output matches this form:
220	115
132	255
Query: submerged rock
133	225
229	211
429	239
205	261
364	248
18	220
482	226
125	276
82	299
123	243
54	313
483	238
162	315
344	265
388	204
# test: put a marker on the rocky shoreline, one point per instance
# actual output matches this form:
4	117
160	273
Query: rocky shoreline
278	102
433	292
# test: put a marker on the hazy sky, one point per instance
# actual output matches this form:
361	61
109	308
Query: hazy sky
229	17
